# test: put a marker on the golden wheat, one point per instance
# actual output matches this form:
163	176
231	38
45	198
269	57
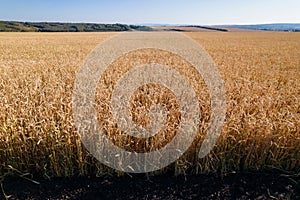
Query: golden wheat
261	73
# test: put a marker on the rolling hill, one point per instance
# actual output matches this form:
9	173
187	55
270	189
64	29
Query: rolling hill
6	26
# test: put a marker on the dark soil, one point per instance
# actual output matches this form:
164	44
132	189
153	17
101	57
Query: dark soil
230	186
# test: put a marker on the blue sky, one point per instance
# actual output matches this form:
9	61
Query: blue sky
205	12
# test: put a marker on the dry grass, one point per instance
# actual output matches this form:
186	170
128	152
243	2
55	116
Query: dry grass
261	73
147	96
262	79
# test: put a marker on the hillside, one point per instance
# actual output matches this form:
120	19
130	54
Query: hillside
188	28
66	27
228	28
7	26
16	27
269	27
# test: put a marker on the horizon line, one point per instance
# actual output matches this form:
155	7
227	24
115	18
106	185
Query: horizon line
149	24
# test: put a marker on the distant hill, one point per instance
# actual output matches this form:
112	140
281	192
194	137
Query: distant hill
288	27
209	28
268	27
6	26
16	27
188	28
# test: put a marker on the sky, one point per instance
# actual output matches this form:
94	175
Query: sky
198	12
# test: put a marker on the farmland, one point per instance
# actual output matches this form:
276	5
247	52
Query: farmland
261	72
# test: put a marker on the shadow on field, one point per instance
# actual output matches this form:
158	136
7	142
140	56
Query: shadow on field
250	185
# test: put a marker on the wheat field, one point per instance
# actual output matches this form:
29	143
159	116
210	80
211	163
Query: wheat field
261	71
